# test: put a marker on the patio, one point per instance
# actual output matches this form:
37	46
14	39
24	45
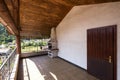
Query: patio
46	68
69	20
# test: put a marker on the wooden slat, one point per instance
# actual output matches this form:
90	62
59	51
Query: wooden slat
48	13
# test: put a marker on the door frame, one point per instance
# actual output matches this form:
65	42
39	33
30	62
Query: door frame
115	51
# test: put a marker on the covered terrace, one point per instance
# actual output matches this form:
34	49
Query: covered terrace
40	19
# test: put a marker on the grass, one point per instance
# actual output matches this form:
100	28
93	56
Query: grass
30	49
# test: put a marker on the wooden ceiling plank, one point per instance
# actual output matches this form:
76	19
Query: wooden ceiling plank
45	14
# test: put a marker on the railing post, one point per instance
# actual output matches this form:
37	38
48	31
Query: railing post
9	69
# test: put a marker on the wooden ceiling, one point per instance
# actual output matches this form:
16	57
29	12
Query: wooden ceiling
35	18
39	16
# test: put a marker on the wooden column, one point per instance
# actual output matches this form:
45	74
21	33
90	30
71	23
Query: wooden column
18	42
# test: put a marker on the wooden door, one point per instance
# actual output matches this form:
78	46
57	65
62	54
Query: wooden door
101	50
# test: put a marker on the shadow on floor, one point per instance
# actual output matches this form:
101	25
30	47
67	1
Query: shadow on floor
45	68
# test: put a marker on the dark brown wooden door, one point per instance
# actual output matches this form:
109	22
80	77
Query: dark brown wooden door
101	49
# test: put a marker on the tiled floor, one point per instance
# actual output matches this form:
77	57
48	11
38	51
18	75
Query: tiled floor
45	68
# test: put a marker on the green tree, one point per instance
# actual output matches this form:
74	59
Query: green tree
4	37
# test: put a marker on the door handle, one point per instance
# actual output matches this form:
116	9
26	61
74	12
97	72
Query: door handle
109	59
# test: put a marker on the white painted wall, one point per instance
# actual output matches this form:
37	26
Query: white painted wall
71	32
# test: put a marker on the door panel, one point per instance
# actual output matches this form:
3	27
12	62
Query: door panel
101	52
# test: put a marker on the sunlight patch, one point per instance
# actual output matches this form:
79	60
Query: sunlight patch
34	72
53	75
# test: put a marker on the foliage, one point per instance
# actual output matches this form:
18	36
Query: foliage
4	37
32	45
0	62
33	42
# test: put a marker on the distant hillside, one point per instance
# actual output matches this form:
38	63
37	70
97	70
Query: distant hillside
4	36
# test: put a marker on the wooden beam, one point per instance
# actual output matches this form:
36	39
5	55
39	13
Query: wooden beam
5	15
18	42
16	14
35	33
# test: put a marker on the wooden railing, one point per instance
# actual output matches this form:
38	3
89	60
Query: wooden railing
7	66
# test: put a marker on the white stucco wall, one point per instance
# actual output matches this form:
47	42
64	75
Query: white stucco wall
72	34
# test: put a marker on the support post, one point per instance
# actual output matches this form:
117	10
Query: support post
18	42
0	75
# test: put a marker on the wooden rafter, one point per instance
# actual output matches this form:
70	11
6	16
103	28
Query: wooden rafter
13	6
7	18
